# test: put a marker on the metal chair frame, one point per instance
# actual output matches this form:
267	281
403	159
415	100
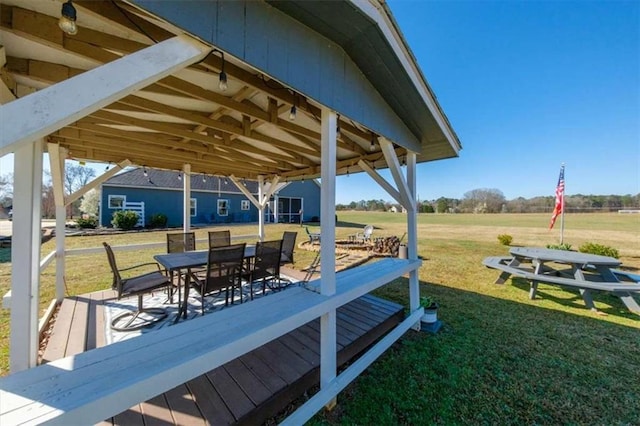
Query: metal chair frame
137	285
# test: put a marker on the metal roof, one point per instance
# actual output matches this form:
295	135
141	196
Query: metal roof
165	179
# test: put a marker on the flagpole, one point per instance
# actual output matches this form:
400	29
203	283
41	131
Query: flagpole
562	214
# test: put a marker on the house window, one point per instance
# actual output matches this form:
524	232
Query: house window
117	201
193	207
223	207
244	205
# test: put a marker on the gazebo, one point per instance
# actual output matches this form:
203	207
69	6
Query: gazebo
270	91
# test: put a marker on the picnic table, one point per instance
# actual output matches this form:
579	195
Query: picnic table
583	271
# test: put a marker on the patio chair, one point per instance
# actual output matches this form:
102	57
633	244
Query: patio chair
313	237
224	272
365	235
219	238
266	264
178	243
137	285
288	245
181	242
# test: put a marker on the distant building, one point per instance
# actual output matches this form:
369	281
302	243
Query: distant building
213	199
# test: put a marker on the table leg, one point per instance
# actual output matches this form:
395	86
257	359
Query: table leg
179	297
534	284
187	284
585	293
504	276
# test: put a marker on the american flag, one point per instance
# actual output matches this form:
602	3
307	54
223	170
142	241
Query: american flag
559	198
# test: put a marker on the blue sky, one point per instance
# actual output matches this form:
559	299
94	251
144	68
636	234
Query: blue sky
526	86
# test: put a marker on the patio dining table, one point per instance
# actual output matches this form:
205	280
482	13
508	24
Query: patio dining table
186	261
583	271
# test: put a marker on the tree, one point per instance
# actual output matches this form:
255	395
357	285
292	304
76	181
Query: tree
483	200
90	203
6	189
442	205
75	177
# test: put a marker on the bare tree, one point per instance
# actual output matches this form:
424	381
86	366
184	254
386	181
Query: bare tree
6	189
75	177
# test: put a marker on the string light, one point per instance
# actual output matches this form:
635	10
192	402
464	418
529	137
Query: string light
292	113
144	171
204	178
67	21
179	176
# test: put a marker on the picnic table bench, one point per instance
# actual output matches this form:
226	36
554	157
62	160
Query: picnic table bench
582	271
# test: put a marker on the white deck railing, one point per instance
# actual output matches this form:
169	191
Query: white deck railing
95	385
48	259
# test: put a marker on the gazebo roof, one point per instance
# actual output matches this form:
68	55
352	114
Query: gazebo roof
245	130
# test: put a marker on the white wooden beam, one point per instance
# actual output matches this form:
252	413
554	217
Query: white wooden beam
396	172
25	256
328	361
273	187
381	181
96	182
57	155
245	191
186	182
261	208
412	232
50	109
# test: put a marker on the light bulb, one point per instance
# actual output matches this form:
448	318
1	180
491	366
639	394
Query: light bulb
67	21
222	85
292	113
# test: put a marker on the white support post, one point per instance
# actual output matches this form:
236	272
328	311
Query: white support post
261	208
25	256
276	213
57	156
396	172
255	201
96	182
412	232
47	110
186	182
328	348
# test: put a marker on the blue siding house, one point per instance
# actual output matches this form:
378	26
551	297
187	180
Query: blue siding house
213	199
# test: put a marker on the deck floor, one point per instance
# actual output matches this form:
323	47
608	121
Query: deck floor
247	390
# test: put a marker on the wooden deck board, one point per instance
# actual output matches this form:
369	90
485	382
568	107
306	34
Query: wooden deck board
57	344
247	390
210	402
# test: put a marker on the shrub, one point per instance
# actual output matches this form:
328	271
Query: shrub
599	249
87	223
505	239
563	246
158	220
124	219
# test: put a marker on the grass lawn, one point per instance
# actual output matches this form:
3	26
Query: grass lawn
500	357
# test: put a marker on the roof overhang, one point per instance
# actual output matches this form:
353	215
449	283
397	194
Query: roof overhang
245	130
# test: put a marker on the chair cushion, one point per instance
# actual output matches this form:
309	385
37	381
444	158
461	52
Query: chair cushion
143	283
